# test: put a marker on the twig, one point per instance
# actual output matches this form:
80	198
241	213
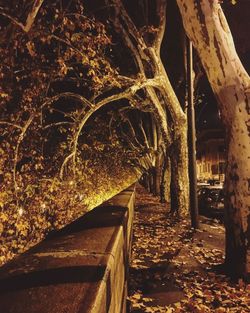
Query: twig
11	124
30	18
56	124
68	43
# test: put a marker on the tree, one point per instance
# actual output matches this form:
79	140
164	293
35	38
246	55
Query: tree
207	28
144	44
71	48
58	69
53	68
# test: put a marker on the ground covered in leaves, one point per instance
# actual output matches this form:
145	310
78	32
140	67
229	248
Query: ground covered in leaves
173	267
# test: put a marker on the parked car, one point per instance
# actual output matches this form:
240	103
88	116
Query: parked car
201	185
211	201
212	182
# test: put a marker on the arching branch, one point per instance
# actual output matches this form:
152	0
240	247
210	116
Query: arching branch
30	18
161	13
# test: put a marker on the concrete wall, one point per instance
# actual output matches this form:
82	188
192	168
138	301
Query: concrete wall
82	268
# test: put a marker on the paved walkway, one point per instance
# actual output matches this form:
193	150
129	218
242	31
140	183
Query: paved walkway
172	266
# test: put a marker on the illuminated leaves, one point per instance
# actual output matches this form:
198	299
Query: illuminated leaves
22	228
50	203
65	51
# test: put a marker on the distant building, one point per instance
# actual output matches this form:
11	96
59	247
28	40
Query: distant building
210	155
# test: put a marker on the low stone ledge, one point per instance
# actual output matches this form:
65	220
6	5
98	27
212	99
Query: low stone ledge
80	269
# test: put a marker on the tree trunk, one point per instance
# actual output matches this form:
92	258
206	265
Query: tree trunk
165	180
237	202
158	165
179	175
173	188
160	95
151	180
207	28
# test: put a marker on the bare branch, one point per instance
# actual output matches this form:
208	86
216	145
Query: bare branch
122	18
134	136
144	134
66	160
164	85
68	43
126	94
11	124
56	124
13	20
67	95
20	138
32	15
161	12
133	31
30	18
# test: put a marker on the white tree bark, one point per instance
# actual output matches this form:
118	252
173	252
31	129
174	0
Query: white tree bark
149	54
207	28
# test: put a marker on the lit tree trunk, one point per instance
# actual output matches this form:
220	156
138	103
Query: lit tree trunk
158	161
158	164
165	179
179	166
207	28
154	167
152	180
161	94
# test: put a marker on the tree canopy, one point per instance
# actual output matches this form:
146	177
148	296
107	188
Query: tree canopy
83	86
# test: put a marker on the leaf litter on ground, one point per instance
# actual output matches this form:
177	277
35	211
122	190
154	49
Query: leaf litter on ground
172	266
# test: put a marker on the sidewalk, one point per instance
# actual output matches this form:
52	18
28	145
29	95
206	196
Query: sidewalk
171	268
